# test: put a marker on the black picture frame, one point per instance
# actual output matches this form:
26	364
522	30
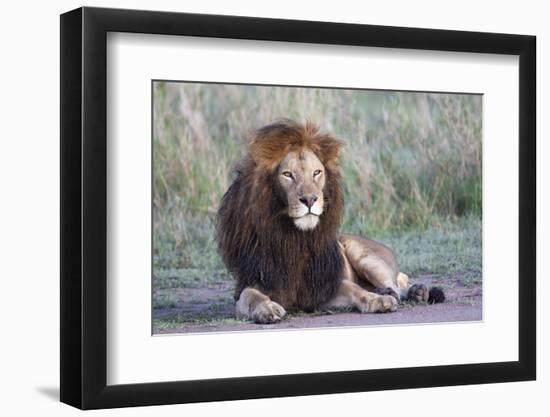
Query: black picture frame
84	207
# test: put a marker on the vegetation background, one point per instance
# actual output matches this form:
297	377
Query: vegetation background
411	166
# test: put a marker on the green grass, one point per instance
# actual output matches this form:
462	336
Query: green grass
410	159
179	321
451	247
165	300
188	277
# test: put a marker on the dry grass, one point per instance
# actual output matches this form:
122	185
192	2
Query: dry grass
412	160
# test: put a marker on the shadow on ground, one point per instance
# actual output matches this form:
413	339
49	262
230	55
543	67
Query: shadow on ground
50	392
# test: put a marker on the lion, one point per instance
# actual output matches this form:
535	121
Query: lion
278	233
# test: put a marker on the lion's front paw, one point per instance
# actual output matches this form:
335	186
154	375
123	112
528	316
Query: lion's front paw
379	304
384	304
268	312
418	293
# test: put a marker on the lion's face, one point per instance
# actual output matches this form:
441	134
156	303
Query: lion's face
301	176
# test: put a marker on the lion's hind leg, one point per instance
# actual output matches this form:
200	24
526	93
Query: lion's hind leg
416	292
374	265
352	295
402	281
386	281
419	292
374	270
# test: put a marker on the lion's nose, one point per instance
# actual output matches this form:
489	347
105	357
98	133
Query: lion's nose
308	200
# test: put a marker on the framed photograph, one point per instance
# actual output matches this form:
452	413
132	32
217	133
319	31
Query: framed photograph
257	208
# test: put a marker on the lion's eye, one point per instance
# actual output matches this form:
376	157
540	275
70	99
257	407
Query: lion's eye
287	174
317	172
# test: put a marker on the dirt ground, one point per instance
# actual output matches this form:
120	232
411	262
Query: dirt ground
211	309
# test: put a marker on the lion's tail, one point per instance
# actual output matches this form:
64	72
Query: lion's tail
436	295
